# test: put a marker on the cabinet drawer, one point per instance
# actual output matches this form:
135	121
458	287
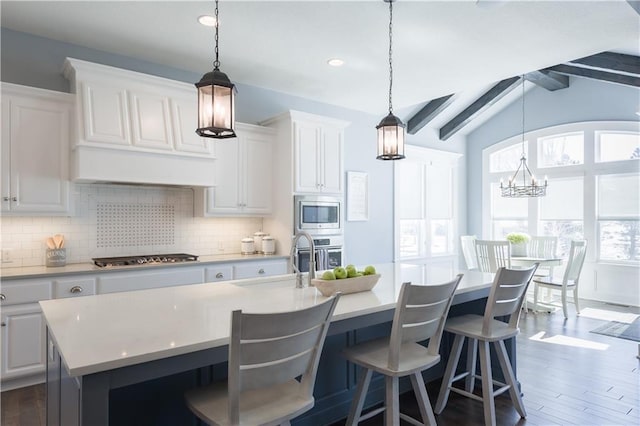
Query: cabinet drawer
259	269
74	288
218	273
115	282
25	292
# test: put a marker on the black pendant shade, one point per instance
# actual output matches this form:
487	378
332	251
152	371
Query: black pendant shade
216	109
390	138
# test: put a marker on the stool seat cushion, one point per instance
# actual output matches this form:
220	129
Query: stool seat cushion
471	326
258	406
375	356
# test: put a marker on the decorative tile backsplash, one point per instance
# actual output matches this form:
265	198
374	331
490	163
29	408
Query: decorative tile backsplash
121	220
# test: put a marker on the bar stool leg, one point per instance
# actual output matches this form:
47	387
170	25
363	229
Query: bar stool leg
423	399
510	378
472	351
358	398
449	372
392	412
487	385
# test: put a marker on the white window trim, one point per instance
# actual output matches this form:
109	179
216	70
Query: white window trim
589	170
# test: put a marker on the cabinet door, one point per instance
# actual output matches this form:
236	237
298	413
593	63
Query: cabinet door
185	120
151	121
331	161
38	183
224	198
105	115
5	159
306	151
23	340
257	174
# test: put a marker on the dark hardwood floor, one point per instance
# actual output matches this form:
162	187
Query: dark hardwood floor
569	376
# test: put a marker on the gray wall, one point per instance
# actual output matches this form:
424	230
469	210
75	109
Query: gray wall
583	100
36	61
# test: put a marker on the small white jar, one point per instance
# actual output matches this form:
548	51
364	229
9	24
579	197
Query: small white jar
257	240
246	246
268	245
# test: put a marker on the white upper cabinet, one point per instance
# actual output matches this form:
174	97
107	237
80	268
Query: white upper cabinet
318	154
35	151
243	175
136	128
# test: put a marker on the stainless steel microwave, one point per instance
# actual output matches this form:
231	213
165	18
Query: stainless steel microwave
318	214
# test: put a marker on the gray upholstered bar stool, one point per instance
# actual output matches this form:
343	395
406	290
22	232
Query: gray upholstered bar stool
273	360
505	299
420	314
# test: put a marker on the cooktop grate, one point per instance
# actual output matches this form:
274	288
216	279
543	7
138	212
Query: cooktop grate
104	262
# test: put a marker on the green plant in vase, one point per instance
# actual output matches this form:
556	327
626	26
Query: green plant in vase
518	242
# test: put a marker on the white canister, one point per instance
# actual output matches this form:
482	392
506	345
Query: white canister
257	240
268	244
246	246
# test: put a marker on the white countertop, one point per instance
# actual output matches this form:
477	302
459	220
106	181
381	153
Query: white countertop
103	332
89	267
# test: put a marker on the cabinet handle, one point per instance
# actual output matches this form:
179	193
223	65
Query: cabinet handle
5	198
15	199
3	297
4	324
75	289
261	271
219	275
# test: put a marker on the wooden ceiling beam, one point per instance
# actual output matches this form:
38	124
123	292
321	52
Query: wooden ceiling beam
548	80
428	113
625	79
615	62
485	101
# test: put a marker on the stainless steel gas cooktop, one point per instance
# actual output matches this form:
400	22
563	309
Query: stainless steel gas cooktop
104	262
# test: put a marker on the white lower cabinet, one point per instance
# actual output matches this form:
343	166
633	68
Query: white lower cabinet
259	269
143	280
215	273
23	336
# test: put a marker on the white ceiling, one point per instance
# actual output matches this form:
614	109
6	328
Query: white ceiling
440	47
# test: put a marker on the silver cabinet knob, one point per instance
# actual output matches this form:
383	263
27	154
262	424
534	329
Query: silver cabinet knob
219	275
261	271
5	198
4	324
75	289
15	199
3	297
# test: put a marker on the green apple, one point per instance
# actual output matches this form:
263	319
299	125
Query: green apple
328	275
359	274
351	271
369	270
340	272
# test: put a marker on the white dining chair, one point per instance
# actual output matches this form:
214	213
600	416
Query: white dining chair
570	279
505	300
492	254
468	247
543	247
420	314
273	360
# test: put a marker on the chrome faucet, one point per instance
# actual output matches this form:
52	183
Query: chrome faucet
312	259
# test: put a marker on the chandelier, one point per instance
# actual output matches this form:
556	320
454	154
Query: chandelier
523	183
216	103
391	128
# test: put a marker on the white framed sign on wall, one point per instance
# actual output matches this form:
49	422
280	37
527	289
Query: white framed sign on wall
357	196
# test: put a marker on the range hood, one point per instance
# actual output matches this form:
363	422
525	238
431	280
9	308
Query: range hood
136	128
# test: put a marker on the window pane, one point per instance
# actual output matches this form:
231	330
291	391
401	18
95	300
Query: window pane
441	235
619	196
563	199
565	230
439	191
507	207
502	227
615	146
411	234
561	150
620	240
506	159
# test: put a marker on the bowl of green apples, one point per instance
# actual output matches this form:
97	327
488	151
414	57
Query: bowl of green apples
346	280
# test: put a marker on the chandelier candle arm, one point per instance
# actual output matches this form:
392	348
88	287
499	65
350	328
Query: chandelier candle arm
530	187
216	99
391	128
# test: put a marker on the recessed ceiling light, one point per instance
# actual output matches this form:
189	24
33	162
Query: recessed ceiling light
207	20
335	62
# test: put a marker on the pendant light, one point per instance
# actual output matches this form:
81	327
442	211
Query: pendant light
523	183
216	103
391	128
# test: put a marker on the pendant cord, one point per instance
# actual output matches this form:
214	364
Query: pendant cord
390	54
216	63
523	153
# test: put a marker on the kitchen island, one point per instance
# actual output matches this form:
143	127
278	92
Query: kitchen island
103	351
